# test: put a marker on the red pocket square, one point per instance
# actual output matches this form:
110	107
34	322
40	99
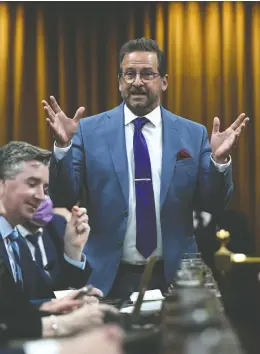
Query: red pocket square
183	154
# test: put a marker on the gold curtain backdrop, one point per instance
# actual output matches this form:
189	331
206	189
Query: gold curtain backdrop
70	50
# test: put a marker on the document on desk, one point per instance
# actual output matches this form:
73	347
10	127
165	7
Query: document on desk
150	295
61	293
146	307
152	301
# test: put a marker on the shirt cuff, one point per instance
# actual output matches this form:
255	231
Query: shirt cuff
50	346
221	167
59	152
77	264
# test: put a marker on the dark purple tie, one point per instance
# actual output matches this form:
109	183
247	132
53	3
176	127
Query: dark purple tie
146	235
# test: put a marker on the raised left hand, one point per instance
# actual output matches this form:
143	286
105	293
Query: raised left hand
223	142
76	233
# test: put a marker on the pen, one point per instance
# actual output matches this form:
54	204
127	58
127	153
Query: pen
84	291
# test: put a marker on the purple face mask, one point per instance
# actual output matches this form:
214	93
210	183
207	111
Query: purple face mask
44	213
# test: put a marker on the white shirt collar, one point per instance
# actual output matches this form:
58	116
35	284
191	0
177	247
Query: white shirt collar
5	228
25	232
154	117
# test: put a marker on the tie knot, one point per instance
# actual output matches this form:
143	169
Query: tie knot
140	122
33	238
13	235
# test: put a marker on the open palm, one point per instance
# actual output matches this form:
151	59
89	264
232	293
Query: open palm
63	128
223	142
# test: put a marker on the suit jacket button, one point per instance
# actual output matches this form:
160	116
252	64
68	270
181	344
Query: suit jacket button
120	243
125	212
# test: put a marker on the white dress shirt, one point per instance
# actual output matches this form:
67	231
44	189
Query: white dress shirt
152	132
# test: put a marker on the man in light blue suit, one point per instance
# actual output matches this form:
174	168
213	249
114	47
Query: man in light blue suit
144	170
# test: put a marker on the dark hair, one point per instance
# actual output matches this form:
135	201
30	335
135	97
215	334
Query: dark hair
144	45
15	153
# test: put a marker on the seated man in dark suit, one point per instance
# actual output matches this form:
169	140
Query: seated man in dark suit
50	239
19	319
25	172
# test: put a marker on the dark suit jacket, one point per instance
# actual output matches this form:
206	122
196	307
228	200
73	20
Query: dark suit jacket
18	318
36	284
98	162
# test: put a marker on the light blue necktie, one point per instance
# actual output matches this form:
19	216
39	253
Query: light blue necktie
13	238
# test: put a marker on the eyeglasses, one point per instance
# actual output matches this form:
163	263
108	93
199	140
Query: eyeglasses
129	76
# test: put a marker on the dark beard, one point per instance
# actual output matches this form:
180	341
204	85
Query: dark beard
141	110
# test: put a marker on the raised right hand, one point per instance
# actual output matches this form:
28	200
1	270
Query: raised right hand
63	128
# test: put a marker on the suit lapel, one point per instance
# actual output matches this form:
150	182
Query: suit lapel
171	145
28	265
50	250
4	255
34	279
115	135
26	260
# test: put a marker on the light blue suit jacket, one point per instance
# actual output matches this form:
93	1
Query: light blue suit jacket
98	161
